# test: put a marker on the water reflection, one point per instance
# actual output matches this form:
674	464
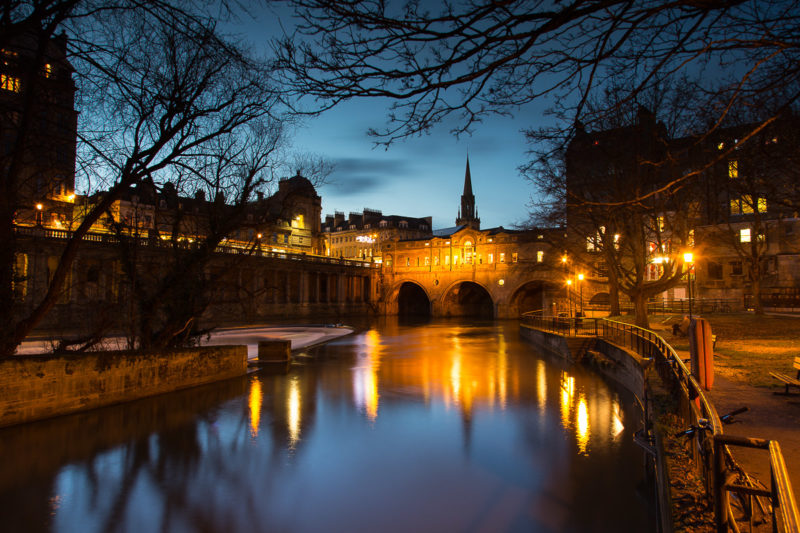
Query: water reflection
442	427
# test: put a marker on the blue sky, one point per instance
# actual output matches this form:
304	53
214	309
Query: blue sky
421	176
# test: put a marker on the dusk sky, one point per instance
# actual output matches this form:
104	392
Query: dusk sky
421	176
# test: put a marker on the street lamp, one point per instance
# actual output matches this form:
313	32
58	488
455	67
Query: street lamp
569	299
580	284
688	258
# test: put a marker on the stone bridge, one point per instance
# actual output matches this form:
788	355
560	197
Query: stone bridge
487	290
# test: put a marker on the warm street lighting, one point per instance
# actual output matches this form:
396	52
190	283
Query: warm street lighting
580	278
688	258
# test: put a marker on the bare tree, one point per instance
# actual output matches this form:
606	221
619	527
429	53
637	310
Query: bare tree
153	105
470	59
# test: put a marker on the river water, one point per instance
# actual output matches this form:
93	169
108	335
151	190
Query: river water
444	426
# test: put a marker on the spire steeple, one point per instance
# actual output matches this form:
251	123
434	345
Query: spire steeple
468	214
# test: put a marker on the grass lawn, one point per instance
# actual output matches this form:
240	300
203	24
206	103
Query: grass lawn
748	347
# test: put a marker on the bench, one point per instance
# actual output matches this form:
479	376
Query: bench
789	381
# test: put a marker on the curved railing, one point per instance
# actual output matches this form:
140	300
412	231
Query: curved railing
712	451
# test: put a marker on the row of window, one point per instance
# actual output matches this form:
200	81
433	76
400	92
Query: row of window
467	259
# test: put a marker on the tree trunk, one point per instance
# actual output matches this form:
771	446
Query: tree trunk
640	307
613	294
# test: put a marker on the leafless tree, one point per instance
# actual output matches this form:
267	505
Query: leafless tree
151	105
469	59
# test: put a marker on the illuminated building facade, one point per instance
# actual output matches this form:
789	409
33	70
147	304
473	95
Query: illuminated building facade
741	211
362	235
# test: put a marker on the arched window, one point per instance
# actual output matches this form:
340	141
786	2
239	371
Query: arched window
468	252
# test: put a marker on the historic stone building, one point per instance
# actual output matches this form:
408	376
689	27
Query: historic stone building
466	270
361	235
740	204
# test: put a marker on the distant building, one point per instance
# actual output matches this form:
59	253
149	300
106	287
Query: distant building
744	229
361	235
288	221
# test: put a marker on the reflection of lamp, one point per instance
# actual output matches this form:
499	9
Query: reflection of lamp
688	258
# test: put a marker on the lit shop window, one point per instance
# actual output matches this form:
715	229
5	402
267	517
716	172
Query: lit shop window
9	83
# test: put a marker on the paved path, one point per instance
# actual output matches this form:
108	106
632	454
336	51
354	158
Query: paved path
770	416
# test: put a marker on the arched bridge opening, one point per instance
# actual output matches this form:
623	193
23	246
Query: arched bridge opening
532	296
412	301
468	299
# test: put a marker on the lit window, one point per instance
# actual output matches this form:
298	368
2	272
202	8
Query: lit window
427	261
408	261
539	256
48	70
9	83
436	261
490	257
514	257
502	257
733	169
762	205
744	235
660	222
447	260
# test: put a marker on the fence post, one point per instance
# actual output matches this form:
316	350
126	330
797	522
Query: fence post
720	492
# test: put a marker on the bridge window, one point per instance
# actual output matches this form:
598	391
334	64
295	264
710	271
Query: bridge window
468	252
490	257
408	261
514	257
447	260
539	256
427	260
436	261
502	257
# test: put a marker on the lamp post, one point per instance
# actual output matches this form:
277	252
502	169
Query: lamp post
688	259
569	299
580	284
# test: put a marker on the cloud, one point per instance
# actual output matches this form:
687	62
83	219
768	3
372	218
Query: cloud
364	174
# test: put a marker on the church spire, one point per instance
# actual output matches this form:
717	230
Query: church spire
467	214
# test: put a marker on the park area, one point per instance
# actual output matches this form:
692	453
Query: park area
748	347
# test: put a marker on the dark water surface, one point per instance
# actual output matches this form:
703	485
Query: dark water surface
437	427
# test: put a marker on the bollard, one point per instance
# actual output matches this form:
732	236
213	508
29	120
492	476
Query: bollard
274	351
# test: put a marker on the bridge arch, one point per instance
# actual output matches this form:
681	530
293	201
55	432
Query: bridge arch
411	299
533	295
467	298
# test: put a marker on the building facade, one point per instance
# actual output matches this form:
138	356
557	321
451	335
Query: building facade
361	235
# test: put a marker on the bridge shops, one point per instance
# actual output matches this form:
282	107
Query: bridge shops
465	271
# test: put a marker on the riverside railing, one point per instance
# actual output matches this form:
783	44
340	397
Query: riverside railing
711	449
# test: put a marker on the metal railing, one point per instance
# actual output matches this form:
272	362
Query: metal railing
711	452
255	251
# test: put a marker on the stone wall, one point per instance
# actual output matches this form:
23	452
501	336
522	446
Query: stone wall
41	386
618	364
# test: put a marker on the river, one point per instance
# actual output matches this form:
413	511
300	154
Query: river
443	426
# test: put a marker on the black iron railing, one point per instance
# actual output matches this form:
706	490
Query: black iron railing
711	448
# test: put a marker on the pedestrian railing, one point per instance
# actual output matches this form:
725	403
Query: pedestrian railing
711	453
247	249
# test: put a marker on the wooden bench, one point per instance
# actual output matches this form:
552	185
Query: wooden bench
789	381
